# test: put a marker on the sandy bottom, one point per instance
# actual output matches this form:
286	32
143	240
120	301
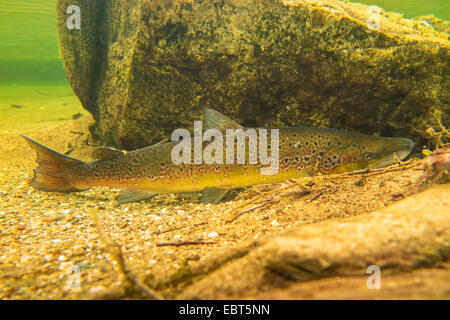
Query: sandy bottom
50	247
31	107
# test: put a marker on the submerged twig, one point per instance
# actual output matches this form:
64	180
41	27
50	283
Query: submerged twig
116	252
432	133
178	228
183	243
254	208
315	195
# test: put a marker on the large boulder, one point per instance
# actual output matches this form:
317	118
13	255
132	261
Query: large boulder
144	68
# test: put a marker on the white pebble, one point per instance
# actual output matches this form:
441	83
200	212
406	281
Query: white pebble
213	235
275	223
96	290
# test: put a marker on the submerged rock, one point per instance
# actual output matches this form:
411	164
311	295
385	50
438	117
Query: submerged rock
144	68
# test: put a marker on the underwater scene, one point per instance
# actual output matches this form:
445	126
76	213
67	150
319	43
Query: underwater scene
224	149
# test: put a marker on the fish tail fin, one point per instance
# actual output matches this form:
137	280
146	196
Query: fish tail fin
51	173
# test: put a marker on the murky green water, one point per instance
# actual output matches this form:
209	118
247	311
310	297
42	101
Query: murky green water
34	92
414	8
28	46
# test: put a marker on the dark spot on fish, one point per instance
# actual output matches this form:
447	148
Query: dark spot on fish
306	159
76	116
17	106
130	170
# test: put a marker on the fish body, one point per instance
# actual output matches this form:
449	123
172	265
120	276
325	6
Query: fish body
141	173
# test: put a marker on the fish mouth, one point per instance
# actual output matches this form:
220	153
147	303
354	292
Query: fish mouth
403	147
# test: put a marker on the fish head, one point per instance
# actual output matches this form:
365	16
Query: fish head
387	151
352	151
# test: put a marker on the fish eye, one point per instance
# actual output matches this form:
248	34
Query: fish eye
367	156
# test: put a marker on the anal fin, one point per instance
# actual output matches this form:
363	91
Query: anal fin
213	195
132	195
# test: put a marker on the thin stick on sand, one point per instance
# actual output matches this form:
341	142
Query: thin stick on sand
116	252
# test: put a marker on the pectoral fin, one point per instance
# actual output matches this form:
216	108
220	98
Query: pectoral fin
213	195
132	195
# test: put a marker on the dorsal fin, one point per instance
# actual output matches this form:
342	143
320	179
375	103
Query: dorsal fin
213	195
104	153
216	120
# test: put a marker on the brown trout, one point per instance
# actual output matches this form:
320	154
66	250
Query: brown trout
142	173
